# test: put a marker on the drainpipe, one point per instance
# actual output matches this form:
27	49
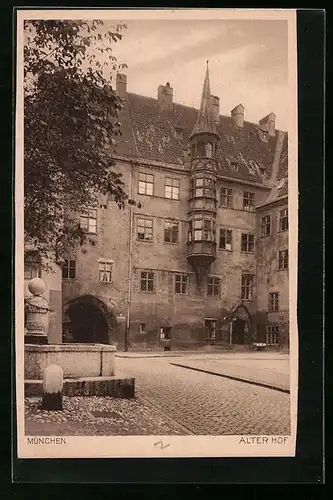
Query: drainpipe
130	246
230	332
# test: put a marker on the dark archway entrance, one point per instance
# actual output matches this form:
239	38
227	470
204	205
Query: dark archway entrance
241	325
89	321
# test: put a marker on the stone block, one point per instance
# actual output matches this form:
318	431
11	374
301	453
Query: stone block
76	360
117	387
52	388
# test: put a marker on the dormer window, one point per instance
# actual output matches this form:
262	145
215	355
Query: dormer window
263	133
233	164
178	131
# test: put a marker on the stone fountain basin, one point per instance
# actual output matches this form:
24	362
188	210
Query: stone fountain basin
76	360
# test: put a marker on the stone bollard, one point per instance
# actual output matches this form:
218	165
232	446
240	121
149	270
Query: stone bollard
53	381
36	310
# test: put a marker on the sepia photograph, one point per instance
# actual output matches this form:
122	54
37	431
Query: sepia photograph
156	231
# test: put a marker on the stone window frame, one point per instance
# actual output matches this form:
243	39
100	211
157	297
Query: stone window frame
283	259
247	243
174	192
227	239
273	301
247	286
226	194
107	271
283	220
150	277
214	286
266	225
67	267
141	222
146	184
273	333
172	233
248	201
88	220
181	279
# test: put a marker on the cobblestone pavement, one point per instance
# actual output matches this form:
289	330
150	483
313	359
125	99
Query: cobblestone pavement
96	416
208	404
272	372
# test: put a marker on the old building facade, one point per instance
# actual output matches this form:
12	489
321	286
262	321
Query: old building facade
202	258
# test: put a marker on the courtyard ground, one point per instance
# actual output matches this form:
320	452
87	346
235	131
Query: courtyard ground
172	399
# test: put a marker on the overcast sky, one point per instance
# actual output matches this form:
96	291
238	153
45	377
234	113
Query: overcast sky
248	62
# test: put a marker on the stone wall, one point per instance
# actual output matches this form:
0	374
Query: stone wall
269	277
186	314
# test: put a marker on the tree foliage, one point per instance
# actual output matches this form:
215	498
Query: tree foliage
70	127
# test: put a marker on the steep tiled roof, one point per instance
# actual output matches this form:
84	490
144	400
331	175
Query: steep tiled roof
150	133
283	170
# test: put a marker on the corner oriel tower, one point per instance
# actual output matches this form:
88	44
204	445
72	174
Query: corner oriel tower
201	245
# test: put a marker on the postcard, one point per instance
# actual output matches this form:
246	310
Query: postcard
156	211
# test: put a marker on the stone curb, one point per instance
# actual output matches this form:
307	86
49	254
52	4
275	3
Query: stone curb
232	377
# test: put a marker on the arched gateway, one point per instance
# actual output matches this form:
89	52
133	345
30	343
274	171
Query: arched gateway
241	325
88	320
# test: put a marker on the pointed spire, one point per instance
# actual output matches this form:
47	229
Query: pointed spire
205	121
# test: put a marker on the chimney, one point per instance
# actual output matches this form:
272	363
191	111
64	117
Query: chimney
165	96
237	115
121	85
269	121
216	108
